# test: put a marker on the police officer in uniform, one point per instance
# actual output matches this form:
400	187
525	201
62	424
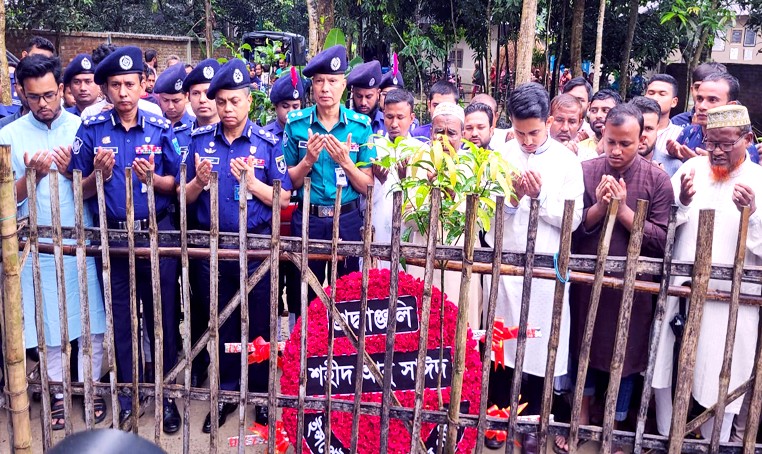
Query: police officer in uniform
229	148
325	142
112	141
196	85
79	77
365	80
286	95
392	80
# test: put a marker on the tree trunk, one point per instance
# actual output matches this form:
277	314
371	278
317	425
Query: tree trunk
578	18
544	79
208	27
599	46
624	68
5	79
320	15
556	70
487	63
525	42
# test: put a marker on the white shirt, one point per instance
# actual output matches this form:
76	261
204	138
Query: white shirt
383	200
711	341
561	174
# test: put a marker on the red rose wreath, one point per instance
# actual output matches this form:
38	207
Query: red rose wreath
348	289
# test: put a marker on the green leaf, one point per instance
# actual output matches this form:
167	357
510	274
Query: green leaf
335	37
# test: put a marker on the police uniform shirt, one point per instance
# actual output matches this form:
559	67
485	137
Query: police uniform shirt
275	129
326	172
151	135
377	123
182	130
210	144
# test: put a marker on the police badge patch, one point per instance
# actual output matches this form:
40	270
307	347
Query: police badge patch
86	65
77	145
237	76
208	72
125	62
179	85
335	63
280	161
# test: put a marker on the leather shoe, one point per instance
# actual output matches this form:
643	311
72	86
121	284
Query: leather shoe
529	446
198	379
124	416
260	415
224	409
493	443
172	419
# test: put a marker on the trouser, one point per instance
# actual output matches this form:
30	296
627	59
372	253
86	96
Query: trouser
55	362
499	391
120	304
663	401
350	225
230	331
596	378
199	316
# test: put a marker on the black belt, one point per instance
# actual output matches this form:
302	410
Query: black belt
326	211
139	224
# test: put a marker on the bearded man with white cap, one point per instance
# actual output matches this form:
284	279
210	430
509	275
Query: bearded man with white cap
726	180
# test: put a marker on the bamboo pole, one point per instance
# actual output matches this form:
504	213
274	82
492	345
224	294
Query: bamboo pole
461	327
13	311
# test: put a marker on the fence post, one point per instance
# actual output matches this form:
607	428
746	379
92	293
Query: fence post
18	404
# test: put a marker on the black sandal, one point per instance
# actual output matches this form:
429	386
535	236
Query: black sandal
57	413
99	405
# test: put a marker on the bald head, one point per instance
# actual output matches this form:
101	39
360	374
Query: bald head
484	98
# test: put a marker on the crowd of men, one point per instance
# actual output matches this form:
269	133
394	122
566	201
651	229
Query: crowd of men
584	146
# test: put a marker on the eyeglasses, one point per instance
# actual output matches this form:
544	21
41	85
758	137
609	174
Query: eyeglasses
49	97
726	146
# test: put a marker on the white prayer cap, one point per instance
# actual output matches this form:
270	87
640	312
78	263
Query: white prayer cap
449	108
728	115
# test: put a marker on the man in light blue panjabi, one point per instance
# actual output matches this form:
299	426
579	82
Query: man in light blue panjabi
42	140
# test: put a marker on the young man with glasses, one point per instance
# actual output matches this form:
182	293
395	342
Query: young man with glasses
42	141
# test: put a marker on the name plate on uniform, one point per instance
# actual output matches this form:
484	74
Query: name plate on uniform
377	316
404	370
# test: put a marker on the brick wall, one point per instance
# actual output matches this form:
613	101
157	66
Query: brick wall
73	43
748	78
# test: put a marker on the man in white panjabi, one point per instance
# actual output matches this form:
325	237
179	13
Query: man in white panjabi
447	125
398	118
724	180
550	172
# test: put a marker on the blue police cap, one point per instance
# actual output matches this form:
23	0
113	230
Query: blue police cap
201	74
331	61
365	75
287	88
170	81
231	76
124	60
391	79
81	64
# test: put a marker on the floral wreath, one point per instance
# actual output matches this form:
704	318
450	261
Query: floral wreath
348	289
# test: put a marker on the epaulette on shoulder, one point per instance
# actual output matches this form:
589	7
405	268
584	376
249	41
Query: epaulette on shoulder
296	115
202	130
95	119
266	135
161	122
359	118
